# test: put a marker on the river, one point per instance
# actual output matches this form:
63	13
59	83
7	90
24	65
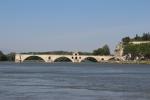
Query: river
68	81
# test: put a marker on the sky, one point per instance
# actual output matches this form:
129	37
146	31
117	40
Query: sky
70	25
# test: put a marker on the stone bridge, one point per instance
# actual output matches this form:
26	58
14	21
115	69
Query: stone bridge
75	57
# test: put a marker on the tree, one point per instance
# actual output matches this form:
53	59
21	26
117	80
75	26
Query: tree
106	50
102	51
98	51
126	40
2	56
146	36
137	38
11	56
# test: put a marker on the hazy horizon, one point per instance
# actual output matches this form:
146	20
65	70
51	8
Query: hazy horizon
70	25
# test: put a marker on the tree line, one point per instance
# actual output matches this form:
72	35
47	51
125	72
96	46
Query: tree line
7	57
144	37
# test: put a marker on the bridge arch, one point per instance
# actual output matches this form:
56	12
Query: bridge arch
33	57
111	59
92	59
114	59
63	59
118	59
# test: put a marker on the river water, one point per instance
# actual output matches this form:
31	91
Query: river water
68	81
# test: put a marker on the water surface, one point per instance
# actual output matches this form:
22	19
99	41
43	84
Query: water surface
68	81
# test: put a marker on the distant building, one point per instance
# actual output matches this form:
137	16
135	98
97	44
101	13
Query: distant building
139	42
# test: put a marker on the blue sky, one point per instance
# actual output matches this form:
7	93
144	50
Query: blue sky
72	25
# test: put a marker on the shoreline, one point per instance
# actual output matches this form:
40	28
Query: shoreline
109	62
131	62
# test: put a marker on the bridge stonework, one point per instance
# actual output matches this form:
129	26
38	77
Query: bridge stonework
75	57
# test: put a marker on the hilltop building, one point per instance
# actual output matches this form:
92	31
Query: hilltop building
139	42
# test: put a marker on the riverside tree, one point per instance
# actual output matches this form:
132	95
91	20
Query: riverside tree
3	57
102	51
138	50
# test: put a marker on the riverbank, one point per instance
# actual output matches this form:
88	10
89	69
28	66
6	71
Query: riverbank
134	62
110	62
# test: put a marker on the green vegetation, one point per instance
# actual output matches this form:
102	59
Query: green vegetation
11	56
2	56
8	57
102	51
141	50
138	50
85	53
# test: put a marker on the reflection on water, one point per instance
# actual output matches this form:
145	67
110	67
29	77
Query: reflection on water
67	81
